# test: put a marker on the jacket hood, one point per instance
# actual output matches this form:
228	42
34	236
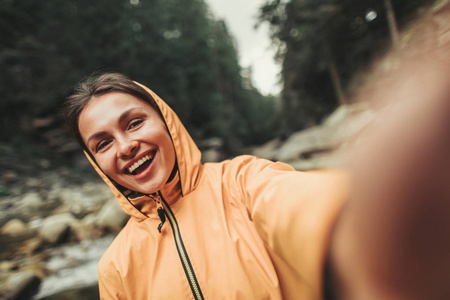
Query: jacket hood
188	161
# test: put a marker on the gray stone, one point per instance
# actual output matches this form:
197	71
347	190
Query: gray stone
112	216
55	227
34	183
10	177
99	193
268	150
211	155
7	266
314	147
31	201
86	228
307	141
16	227
212	143
22	285
70	195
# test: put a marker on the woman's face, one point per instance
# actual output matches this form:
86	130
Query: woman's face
128	140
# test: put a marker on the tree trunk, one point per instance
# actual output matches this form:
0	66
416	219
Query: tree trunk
392	23
336	82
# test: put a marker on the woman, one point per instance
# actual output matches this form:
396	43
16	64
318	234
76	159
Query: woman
245	228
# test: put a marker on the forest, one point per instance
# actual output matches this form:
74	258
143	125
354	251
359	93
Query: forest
188	56
176	47
326	46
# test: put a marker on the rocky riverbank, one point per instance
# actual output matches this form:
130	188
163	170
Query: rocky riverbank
328	145
53	220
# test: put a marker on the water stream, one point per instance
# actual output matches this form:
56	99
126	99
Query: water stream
73	267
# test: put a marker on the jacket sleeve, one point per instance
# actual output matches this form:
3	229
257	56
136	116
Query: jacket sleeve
294	213
109	281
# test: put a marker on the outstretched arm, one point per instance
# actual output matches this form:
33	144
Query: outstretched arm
392	240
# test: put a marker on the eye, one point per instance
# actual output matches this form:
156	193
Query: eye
135	123
102	144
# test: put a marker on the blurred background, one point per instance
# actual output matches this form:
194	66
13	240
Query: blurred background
271	78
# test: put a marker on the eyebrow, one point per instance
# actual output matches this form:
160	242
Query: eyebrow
122	117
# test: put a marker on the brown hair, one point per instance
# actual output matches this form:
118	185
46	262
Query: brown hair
97	85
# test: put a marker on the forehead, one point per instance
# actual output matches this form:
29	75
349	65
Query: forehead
116	100
105	110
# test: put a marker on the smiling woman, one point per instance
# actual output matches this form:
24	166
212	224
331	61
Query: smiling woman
232	237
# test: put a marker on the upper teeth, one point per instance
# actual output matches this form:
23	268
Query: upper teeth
138	163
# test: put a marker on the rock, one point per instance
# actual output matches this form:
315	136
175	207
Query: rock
7	266
268	150
44	163
55	227
22	285
341	127
112	216
349	128
31	201
307	141
86	228
99	192
89	220
36	222
10	177
70	195
211	143
34	183
211	155
345	112
325	160
84	200
16	227
31	246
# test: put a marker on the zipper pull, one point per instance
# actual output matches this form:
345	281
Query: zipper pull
161	214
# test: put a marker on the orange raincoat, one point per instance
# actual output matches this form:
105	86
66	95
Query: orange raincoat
245	228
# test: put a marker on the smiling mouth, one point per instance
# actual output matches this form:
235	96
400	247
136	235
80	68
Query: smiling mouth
142	164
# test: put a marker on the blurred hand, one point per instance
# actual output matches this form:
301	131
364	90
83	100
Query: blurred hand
393	238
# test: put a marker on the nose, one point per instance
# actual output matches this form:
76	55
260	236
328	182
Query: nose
127	147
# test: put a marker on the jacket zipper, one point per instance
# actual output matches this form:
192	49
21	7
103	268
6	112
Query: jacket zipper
164	209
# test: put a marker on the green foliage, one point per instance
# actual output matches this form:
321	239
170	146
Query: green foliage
175	47
318	37
4	191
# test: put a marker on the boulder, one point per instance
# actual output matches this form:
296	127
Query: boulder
211	155
31	245
85	199
268	150
86	228
22	285
34	183
111	216
16	227
10	177
98	192
314	147
7	266
55	227
212	143
303	143
31	202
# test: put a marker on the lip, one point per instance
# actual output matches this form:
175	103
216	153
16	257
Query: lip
125	169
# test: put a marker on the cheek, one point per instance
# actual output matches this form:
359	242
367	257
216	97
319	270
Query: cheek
169	149
107	165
